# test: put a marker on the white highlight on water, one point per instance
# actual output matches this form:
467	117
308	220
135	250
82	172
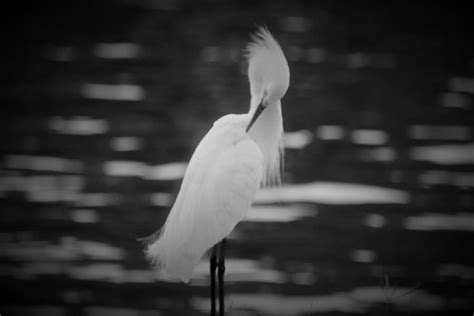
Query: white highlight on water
332	193
447	154
117	50
240	270
441	132
43	163
369	137
358	300
330	132
126	143
462	84
163	172
281	214
375	220
78	125
297	139
363	255
113	92
162	199
438	221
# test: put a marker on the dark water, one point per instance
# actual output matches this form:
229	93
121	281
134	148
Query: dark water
105	102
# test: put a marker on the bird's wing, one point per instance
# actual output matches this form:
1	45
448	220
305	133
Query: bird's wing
220	184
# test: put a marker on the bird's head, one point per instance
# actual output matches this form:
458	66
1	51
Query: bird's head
268	72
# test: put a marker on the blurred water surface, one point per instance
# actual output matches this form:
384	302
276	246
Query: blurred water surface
108	100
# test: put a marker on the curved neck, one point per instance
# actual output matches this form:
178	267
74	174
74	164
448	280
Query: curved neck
267	132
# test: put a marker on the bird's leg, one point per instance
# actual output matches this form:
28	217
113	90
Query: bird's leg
213	265
220	274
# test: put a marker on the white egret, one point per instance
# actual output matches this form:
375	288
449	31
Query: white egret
237	155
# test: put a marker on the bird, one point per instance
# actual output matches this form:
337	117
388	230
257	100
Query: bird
237	156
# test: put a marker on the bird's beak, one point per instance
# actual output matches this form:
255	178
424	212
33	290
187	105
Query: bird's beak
255	116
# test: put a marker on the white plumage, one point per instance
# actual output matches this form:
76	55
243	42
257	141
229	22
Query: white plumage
219	185
226	169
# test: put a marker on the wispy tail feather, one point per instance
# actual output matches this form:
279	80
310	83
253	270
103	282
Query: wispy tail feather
151	238
170	261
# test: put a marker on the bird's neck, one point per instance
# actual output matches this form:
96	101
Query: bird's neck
267	132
